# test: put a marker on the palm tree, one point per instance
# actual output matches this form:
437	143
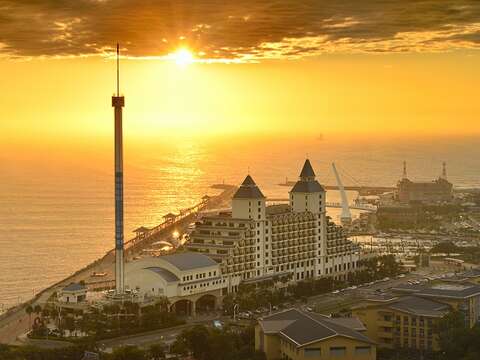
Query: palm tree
164	303
37	309
29	311
45	312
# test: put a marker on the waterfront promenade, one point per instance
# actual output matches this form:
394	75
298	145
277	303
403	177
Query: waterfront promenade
16	322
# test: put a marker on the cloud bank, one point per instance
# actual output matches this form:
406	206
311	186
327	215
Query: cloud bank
241	30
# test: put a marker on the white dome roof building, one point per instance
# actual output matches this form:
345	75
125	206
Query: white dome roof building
183	278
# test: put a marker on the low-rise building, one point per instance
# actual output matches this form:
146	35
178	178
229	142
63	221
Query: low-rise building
190	281
408	318
73	293
402	322
461	297
295	335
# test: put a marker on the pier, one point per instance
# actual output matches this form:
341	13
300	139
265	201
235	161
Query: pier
15	321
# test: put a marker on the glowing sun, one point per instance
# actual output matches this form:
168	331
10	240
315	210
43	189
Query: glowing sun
183	57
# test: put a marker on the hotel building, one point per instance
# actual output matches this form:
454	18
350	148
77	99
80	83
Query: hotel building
255	241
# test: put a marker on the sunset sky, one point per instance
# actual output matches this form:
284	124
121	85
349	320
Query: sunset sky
290	67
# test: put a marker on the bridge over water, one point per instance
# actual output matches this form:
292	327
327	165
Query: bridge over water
363	207
361	189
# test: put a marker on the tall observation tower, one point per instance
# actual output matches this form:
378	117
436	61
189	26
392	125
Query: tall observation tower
118	102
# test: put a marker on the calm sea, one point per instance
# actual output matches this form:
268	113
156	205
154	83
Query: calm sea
56	211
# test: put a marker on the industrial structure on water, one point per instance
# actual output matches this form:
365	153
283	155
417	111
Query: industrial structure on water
429	192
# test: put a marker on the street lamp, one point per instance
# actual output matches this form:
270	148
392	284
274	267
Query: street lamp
235	310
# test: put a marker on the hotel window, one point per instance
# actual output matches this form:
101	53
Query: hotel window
338	351
312	352
362	350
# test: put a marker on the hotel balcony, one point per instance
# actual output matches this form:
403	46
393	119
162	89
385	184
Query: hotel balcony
216	236
384	323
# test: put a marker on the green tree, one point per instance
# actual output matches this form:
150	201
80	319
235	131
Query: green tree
156	352
180	346
228	303
445	247
128	353
451	330
197	340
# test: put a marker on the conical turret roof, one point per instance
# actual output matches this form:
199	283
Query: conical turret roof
307	170
248	181
307	182
248	190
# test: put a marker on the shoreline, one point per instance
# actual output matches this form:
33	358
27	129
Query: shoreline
12	322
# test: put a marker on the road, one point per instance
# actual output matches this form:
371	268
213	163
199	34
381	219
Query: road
166	336
145	340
